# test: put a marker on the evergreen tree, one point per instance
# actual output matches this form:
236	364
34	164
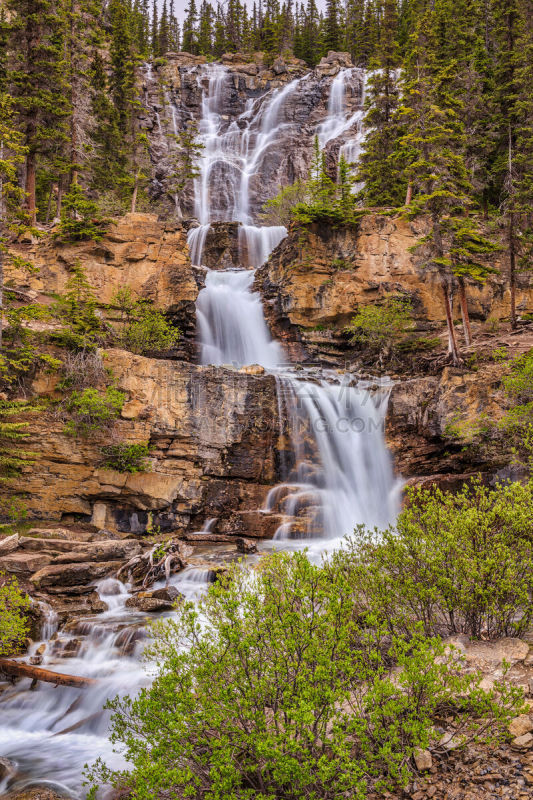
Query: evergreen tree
11	196
190	29
381	168
434	144
38	82
332	28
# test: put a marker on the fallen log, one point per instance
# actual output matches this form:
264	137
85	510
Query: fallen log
17	669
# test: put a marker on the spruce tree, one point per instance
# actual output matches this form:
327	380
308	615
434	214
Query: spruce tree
381	167
39	84
332	26
190	29
434	146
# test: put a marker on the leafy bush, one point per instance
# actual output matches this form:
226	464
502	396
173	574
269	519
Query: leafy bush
271	688
13	457
92	411
76	309
519	384
381	328
458	563
143	328
13	623
125	457
279	209
80	217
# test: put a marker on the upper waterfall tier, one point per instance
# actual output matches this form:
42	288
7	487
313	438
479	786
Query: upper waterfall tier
255	140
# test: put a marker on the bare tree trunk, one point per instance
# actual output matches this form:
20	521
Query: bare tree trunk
451	330
409	195
59	199
49	204
134	195
30	187
464	312
512	270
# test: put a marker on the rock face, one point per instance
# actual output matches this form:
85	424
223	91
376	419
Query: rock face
214	431
316	279
137	251
185	88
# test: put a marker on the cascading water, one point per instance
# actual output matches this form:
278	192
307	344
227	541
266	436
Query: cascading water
337	472
231	157
231	325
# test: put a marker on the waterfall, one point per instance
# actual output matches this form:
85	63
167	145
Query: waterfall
338	122
231	324
341	474
232	156
336	472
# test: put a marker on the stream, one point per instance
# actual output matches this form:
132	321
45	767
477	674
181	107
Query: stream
339	473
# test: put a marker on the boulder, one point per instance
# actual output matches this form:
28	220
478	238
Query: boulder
23	564
423	759
520	725
146	602
524	742
9	544
245	545
72	576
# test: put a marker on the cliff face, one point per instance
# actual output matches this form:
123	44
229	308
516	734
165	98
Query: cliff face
251	100
213	431
317	279
216	431
137	251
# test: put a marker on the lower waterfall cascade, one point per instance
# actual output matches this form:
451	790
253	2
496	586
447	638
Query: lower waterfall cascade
336	472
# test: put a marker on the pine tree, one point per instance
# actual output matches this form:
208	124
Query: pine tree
11	196
190	29
185	161
380	166
12	435
511	42
434	144
332	28
38	83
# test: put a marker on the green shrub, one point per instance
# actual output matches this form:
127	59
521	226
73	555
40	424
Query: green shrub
13	432
92	411
271	688
13	622
124	457
457	563
80	217
76	310
381	328
143	329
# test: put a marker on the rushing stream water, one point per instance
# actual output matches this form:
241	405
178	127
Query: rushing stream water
338	472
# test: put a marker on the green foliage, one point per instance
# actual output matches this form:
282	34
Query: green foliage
381	328
125	457
13	622
92	411
80	217
13	457
278	210
184	166
143	329
457	563
76	309
272	687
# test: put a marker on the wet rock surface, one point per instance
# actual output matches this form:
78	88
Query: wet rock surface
173	94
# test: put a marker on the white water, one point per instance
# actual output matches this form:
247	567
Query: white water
338	121
231	325
232	156
337	474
